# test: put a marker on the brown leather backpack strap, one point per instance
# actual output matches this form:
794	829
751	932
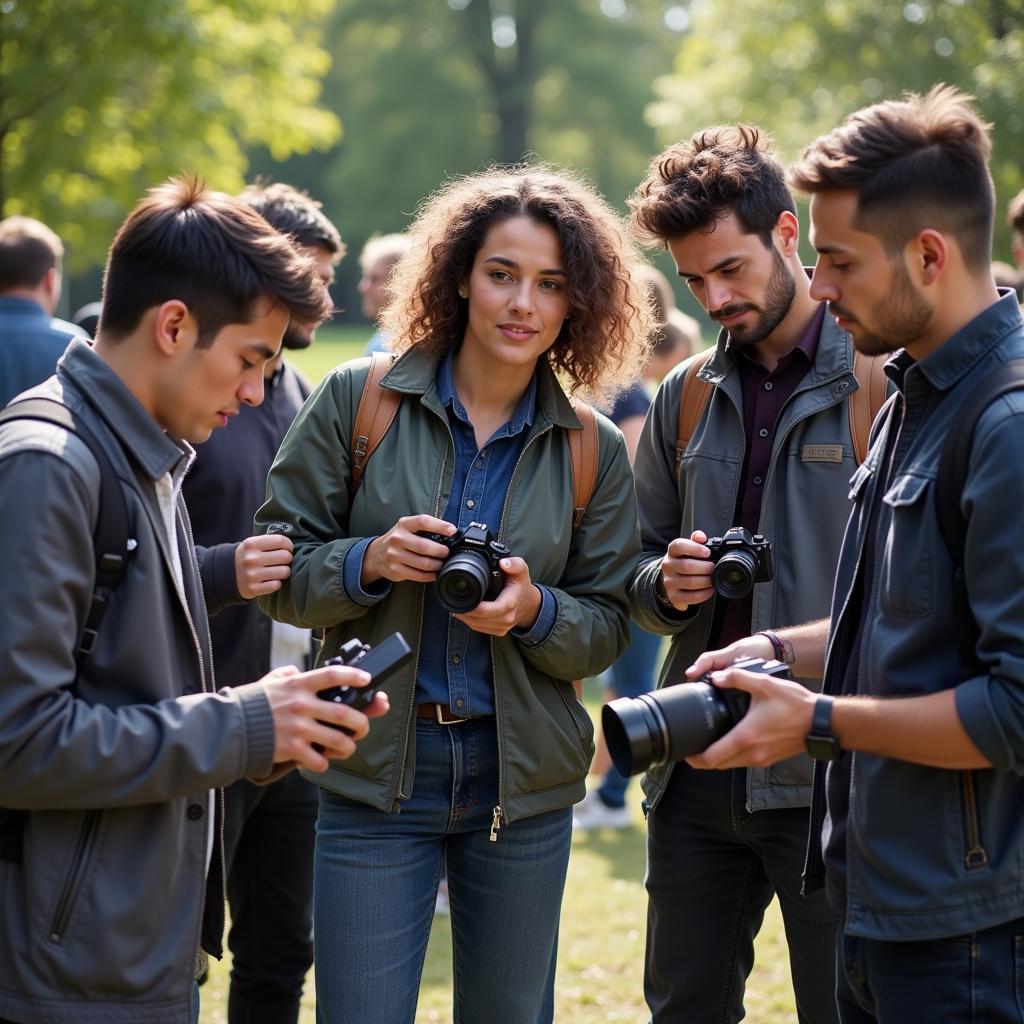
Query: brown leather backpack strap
866	401
693	401
375	413
584	452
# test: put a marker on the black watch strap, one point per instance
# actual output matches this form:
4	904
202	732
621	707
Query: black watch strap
821	742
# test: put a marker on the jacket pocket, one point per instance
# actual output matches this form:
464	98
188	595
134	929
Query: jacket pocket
906	568
81	857
576	711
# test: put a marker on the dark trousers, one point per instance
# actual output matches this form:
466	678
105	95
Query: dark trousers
712	869
269	834
968	979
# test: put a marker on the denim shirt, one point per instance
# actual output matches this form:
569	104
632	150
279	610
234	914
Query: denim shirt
934	852
455	661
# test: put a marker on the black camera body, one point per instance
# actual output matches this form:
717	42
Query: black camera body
676	721
379	661
471	572
741	560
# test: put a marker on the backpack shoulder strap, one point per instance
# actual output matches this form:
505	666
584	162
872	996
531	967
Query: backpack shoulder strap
949	485
584	451
693	401
111	543
375	413
867	400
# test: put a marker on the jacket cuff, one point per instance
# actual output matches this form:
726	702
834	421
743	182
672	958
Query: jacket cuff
351	577
259	731
981	721
648	585
545	622
219	579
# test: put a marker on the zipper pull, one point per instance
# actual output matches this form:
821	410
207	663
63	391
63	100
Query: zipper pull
495	823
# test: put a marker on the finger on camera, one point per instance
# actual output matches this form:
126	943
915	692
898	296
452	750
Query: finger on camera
266	573
681	547
681	596
423	561
379	706
269	542
694	574
355	723
322	678
515	566
427	524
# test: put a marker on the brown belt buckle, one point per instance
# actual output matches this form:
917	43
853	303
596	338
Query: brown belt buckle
439	711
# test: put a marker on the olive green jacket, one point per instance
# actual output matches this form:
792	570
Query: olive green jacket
545	738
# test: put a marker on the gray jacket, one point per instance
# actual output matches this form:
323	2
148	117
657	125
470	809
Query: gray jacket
933	853
803	514
102	916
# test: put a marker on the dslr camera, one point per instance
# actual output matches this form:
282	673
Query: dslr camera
379	661
676	721
470	573
741	560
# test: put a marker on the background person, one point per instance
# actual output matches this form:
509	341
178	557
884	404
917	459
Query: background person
32	339
268	829
511	276
772	452
111	834
916	826
378	259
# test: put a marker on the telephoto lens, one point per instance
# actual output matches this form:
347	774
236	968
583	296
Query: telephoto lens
676	721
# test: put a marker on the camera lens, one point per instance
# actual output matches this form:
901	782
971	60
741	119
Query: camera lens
462	581
733	574
667	725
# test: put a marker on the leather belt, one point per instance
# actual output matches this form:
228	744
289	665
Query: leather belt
440	713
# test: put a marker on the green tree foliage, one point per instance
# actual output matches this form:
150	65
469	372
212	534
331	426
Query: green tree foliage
797	67
99	99
429	88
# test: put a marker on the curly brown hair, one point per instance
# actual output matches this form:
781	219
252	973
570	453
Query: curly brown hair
604	341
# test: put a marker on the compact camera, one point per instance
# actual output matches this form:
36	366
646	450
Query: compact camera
741	560
470	573
676	721
379	661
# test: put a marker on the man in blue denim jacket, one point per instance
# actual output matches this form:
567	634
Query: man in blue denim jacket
916	828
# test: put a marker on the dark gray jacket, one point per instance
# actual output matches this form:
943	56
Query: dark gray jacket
803	514
933	853
102	916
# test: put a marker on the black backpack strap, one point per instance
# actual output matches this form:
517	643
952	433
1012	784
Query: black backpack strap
110	535
953	464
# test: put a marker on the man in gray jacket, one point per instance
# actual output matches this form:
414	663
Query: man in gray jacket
772	452
111	875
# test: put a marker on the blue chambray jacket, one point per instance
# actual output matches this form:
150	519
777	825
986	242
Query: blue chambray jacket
933	852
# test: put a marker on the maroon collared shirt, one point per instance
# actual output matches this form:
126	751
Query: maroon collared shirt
764	395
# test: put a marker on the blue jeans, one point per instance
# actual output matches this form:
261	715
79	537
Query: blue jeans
376	878
630	676
712	868
976	978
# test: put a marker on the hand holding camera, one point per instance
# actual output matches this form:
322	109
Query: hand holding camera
694	570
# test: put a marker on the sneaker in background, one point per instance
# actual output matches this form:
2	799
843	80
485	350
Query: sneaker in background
593	813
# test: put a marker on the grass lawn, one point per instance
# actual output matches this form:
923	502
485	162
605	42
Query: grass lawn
601	942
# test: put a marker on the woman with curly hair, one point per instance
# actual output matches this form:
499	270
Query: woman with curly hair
519	285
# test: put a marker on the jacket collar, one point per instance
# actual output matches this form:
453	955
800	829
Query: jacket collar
15	304
955	358
832	358
154	450
415	373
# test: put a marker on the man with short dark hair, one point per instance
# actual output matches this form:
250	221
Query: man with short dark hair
917	828
32	339
111	743
771	451
268	829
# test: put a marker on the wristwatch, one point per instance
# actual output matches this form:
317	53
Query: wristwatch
821	742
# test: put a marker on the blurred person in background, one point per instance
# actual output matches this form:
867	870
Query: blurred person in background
635	671
511	276
377	261
268	829
32	339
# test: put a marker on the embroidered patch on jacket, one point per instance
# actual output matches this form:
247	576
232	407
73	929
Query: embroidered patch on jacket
821	453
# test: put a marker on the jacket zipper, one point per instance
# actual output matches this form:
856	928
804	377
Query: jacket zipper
78	860
976	856
202	680
499	812
396	803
